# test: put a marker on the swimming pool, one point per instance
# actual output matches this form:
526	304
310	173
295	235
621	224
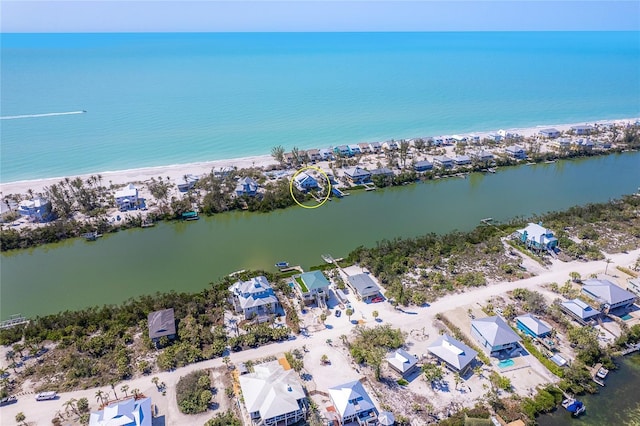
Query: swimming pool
626	317
505	363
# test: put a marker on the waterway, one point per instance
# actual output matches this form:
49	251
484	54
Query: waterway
616	404
187	256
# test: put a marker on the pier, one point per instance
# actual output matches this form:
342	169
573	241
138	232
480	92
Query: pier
13	320
631	349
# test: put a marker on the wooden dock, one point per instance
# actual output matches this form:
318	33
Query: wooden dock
631	349
13	320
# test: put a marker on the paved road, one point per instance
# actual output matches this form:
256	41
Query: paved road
41	413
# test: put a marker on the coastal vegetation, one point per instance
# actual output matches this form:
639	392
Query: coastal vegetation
193	392
370	345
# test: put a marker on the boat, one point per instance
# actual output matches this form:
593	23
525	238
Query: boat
192	215
602	372
282	265
574	406
327	258
91	236
550	161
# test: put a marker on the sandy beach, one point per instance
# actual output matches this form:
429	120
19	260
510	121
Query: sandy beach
177	171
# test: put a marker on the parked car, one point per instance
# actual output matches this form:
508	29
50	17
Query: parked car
43	396
377	299
8	400
338	313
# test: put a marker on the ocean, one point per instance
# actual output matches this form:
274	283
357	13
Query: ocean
167	98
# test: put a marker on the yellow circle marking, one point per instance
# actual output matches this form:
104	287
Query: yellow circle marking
302	170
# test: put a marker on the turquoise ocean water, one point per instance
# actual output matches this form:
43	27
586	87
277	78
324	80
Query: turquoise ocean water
158	99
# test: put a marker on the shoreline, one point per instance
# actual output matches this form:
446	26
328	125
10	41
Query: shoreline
176	171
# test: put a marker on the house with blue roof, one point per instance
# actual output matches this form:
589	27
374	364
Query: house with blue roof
532	326
304	182
580	311
457	356
423	166
246	186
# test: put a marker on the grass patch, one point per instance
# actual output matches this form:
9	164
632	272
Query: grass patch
300	282
402	382
627	271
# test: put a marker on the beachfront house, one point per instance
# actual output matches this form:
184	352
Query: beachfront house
582	129
390	145
343	151
462	160
457	356
273	396
357	175
222	172
376	147
364	286
311	286
353	404
304	182
161	324
423	166
314	155
442	161
494	334
189	182
402	362
495	137
246	187
254	298
355	149
535	236
550	133
633	285
130	412
36	209
127	197
288	158
532	326
515	151
579	311
365	148
609	295
326	154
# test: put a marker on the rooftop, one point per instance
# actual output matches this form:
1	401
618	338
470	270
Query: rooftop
580	309
402	361
495	330
363	284
606	291
452	351
534	324
344	396
129	412
161	323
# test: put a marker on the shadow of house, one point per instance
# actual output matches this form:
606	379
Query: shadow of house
162	324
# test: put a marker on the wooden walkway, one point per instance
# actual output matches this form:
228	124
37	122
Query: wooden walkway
13	320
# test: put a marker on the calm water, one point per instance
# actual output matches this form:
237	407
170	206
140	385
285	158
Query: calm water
187	256
157	99
617	404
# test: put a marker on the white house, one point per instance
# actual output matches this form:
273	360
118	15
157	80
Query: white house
352	403
364	286
462	160
482	155
608	294
376	147
246	186
254	297
442	161
130	412
538	237
456	355
273	396
36	209
515	151
355	149
633	285
494	334
311	285
390	145
305	182
127	197
550	133
314	155
365	148
402	362
582	129
326	154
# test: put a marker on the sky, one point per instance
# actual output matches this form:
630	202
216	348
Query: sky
313	15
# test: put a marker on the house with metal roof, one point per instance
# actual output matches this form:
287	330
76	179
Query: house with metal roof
456	355
246	186
304	182
461	160
364	286
162	324
36	209
402	362
584	129
538	237
516	152
391	145
442	161
633	285
579	311
422	166
382	171
357	175
550	133
482	155
376	147
127	197
254	297
343	150
130	412
353	403
532	326
609	295
365	148
273	396
311	285
494	334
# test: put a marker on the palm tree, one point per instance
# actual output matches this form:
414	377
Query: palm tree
100	396
113	388
277	152
124	388
70	405
155	380
349	312
607	267
20	417
135	392
375	315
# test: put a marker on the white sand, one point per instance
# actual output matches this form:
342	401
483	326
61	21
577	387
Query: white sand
177	171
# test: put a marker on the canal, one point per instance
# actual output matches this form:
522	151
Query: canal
187	256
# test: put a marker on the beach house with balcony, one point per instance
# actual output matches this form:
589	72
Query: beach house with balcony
423	166
549	133
326	154
457	356
607	294
304	182
442	161
246	187
402	362
482	156
364	286
515	151
130	412
382	171
273	396
161	323
462	160
343	151
357	175
365	148
254	298
532	326
355	149
391	145
494	334
127	198
311	286
353	404
36	209
579	311
314	155
376	147
584	129
535	236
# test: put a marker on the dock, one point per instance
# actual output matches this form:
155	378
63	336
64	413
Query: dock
631	349
91	236
338	193
598	373
369	187
13	320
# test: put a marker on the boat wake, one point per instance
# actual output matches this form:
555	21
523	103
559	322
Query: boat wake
49	114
